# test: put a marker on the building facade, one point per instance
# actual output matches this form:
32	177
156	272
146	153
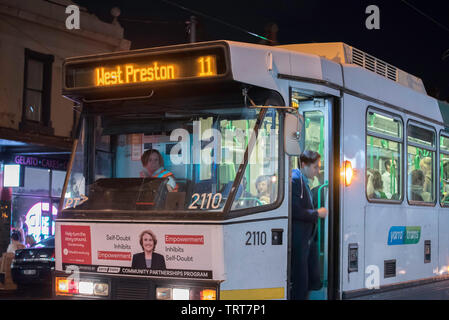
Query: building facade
36	121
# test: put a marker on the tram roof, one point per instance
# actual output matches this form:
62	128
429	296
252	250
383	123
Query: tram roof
337	65
340	66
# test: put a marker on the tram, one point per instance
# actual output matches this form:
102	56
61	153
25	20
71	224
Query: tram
228	121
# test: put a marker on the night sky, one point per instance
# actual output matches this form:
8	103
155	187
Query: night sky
406	39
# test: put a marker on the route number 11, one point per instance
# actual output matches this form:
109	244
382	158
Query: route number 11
207	66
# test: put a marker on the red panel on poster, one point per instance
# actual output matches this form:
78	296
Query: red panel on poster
114	255
76	244
184	239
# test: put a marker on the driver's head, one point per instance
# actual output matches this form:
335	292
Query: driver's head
152	160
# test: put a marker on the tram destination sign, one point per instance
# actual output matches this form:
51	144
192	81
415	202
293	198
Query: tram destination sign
144	67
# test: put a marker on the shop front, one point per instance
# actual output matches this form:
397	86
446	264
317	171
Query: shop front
32	183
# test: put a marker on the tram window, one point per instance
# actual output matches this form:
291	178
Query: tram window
103	166
260	182
201	153
314	134
314	139
420	165
444	171
381	124
444	144
384	172
421	136
384	157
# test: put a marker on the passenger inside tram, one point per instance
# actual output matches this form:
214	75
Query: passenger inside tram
445	182
375	186
388	175
425	165
416	191
263	187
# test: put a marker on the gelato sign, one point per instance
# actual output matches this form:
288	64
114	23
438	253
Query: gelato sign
38	162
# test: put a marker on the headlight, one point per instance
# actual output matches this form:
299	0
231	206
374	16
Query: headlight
181	294
208	294
163	294
194	293
86	287
101	289
64	286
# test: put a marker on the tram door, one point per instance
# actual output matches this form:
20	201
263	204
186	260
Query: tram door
316	114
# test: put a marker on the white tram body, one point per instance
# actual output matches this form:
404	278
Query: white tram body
330	69
388	248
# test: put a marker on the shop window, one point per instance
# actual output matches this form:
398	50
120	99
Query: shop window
36	181
384	157
420	165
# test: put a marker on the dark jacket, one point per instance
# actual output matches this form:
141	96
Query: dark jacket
305	264
302	208
157	261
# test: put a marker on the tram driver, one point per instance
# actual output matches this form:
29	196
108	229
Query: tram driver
153	166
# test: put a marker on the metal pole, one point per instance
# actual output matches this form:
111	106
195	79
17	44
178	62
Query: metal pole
70	164
192	26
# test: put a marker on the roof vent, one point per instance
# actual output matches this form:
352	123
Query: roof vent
373	64
340	52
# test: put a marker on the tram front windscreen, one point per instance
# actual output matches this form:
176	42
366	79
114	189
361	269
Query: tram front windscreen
174	162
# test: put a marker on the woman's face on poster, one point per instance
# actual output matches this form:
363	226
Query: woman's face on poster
147	242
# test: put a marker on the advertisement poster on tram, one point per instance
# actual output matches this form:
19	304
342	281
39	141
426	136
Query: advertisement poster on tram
154	250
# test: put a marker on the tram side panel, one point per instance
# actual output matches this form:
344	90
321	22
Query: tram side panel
397	235
255	265
353	204
389	239
399	255
443	243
